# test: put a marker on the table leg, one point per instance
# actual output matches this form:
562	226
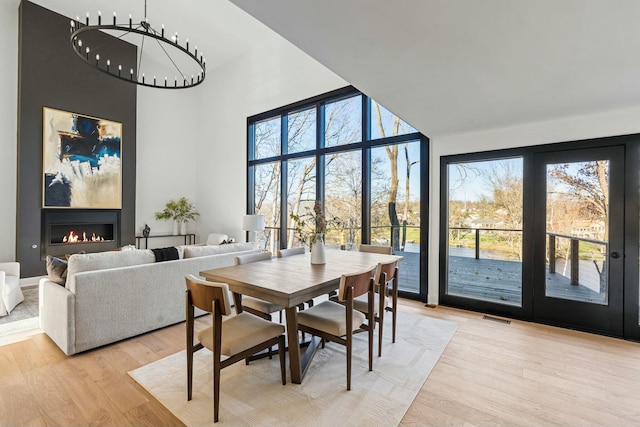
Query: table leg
237	300
294	345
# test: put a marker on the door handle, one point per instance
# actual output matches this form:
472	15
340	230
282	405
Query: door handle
615	255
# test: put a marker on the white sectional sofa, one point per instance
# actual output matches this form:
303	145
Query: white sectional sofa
110	296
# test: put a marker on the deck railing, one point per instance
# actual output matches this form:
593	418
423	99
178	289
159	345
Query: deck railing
573	251
477	235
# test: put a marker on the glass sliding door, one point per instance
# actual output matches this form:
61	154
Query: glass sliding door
484	250
579	240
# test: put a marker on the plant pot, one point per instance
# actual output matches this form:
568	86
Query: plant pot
317	249
175	227
183	227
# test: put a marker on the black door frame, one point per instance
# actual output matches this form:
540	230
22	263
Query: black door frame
631	328
604	319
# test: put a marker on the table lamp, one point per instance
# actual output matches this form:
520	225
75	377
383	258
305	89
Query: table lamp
253	224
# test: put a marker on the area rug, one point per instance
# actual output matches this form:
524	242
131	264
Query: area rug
254	396
27	309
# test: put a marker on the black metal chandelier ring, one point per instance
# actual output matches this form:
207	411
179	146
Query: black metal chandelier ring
132	75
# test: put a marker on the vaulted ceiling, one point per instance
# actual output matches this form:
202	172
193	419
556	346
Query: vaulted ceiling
445	66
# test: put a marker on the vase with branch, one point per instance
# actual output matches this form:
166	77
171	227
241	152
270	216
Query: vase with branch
311	227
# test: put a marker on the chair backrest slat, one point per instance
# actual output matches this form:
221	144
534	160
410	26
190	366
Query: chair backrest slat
246	259
361	282
204	294
386	250
388	268
291	251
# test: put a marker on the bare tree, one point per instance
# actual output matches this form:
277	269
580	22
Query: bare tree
589	184
392	153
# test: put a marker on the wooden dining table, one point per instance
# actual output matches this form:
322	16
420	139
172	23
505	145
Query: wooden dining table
290	281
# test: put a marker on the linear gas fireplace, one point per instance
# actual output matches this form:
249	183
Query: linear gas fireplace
68	232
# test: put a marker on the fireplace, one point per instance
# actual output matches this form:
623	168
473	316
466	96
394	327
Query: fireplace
67	231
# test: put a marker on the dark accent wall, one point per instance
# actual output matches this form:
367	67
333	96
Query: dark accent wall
51	75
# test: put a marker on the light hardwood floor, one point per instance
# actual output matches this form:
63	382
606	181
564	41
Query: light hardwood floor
490	374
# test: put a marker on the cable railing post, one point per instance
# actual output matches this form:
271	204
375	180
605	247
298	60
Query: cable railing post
575	267
552	253
477	243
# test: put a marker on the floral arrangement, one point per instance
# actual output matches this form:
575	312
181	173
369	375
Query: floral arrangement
313	222
181	211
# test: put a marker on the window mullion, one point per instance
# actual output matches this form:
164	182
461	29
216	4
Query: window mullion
284	185
320	143
365	220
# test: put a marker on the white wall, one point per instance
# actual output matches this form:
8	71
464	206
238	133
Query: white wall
273	74
620	122
166	154
8	127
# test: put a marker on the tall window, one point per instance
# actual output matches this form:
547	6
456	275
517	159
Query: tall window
359	159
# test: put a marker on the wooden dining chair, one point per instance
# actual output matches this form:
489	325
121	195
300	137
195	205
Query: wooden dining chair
385	298
377	249
258	306
237	337
289	252
336	322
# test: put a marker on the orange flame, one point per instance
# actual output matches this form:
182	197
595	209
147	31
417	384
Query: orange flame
72	237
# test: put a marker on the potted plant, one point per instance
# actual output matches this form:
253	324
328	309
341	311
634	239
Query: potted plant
181	212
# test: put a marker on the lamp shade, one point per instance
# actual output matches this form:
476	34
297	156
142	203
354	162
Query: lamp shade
253	223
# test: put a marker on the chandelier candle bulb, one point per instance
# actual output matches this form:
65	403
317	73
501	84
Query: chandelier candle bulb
154	80
108	64
130	21
99	18
119	70
131	74
142	78
196	52
187	44
87	18
114	18
162	31
97	58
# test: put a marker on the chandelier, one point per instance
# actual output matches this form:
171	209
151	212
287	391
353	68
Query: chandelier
175	66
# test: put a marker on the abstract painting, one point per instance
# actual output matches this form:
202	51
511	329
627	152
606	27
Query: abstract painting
82	167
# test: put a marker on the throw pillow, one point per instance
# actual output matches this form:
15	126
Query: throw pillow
166	254
57	270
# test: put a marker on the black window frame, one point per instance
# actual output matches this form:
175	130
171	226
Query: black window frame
364	146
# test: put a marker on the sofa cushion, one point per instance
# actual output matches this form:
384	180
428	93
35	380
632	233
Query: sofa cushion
109	259
57	269
198	251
